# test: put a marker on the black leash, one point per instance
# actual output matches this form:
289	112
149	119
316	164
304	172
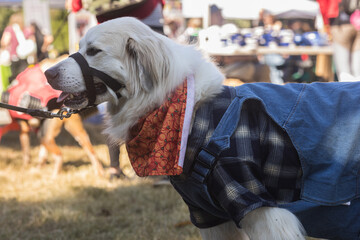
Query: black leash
62	113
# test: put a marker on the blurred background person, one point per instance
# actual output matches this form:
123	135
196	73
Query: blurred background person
274	61
259	22
216	17
10	42
173	29
191	33
43	41
148	11
337	16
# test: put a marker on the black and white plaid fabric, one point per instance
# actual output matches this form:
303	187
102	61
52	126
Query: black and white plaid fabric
261	168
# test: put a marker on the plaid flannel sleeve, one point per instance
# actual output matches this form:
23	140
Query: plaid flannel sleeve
261	168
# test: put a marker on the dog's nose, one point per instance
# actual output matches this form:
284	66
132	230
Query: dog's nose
51	75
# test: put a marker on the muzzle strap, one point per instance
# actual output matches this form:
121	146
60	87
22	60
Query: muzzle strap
88	77
89	73
109	81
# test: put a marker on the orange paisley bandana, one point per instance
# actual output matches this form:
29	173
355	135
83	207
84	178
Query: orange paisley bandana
155	146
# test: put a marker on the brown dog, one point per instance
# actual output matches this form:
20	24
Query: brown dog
51	129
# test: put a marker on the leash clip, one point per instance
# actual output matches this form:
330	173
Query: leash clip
64	113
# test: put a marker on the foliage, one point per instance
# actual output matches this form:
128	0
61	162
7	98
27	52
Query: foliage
5	14
240	23
59	27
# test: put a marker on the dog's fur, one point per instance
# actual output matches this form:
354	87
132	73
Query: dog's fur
151	66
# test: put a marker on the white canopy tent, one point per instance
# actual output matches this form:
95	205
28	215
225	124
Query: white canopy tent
18	3
292	9
243	9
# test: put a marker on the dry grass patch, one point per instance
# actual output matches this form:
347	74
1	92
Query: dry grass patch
79	205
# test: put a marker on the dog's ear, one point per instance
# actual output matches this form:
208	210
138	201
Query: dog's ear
147	58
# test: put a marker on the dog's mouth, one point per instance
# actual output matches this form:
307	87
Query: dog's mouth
78	98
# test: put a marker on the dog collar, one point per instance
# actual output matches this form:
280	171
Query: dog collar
89	73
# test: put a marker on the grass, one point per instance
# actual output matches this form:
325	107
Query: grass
79	205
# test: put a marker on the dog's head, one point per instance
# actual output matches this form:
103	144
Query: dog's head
124	49
146	65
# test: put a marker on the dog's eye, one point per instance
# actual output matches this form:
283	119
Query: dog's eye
92	51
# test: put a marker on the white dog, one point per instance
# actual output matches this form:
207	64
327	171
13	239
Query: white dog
148	69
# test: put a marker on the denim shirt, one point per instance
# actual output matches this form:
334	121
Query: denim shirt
323	122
